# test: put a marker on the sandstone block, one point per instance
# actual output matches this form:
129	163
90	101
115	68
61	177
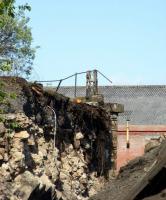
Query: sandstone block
1	157
2	151
63	176
79	136
2	128
22	135
77	144
10	116
18	156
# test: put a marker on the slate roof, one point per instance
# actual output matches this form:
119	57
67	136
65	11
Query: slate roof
144	104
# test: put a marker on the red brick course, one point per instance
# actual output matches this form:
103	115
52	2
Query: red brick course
139	136
142	129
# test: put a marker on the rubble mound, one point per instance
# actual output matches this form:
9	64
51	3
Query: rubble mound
50	145
142	178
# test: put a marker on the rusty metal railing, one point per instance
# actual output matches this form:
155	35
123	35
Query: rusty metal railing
75	80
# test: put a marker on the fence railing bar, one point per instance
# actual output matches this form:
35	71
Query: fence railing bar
48	81
104	76
75	87
58	85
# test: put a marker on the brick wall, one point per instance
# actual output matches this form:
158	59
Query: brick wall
139	137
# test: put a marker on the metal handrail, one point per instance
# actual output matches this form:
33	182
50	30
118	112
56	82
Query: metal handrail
104	76
73	75
48	81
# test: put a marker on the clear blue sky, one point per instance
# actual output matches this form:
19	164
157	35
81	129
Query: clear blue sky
125	39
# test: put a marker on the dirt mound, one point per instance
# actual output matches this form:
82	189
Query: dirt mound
46	138
142	178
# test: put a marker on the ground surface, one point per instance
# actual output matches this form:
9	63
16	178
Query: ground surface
133	176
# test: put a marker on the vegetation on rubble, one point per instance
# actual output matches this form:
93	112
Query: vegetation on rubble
5	98
16	51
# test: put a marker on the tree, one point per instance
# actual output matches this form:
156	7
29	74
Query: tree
16	51
7	7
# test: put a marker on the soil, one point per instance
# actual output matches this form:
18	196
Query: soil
131	176
13	86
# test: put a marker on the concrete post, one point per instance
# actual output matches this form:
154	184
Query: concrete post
91	83
88	84
114	109
95	83
114	129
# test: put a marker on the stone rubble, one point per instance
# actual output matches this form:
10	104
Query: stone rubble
154	142
27	159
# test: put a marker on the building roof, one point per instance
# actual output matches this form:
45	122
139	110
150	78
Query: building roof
143	104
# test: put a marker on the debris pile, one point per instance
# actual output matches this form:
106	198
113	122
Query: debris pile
142	178
50	144
55	149
154	142
23	155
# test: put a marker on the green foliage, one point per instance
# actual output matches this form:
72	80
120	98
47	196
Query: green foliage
16	51
7	7
14	126
2	96
5	97
25	7
13	95
1	118
5	67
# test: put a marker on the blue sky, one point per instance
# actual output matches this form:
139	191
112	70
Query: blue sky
124	39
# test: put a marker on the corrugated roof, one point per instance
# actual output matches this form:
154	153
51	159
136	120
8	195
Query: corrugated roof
144	104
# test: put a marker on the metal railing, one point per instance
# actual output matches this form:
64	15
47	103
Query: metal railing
75	80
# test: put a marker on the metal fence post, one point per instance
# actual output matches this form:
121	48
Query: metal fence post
75	88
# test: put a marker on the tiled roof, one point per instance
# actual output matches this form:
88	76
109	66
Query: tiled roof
144	104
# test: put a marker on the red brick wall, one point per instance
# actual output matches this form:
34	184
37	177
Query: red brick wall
139	136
